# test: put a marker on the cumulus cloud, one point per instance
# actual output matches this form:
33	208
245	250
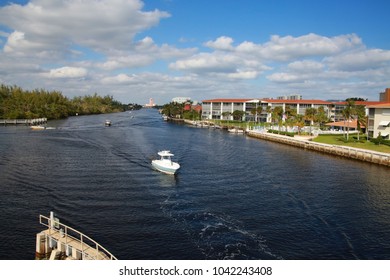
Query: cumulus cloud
289	47
100	45
358	60
99	25
68	72
225	64
221	43
142	53
306	66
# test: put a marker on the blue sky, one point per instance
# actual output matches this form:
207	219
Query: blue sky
160	49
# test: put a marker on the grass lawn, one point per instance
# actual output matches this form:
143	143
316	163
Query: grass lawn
336	140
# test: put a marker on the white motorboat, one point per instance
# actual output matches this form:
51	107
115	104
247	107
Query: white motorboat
107	123
236	130
38	127
165	164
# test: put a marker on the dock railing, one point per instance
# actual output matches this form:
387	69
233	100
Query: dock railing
23	121
88	248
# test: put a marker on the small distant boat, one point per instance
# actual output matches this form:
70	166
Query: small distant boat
107	123
165	164
236	130
38	127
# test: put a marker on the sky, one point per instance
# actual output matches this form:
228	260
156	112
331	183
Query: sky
135	50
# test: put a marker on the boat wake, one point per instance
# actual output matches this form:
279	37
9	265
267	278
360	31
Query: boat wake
218	236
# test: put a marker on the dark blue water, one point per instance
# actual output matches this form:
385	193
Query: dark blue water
234	197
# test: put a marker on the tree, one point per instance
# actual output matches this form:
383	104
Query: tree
277	116
173	109
361	118
237	114
256	111
299	121
310	115
348	113
321	117
16	103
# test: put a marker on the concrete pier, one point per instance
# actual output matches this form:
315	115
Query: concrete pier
343	151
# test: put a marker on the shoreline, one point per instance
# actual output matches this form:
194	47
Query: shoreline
304	142
343	151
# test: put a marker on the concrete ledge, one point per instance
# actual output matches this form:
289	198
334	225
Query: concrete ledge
344	151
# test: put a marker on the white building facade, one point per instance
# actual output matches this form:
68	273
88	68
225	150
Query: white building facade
181	100
223	108
379	120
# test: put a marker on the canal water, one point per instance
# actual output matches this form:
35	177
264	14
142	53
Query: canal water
235	197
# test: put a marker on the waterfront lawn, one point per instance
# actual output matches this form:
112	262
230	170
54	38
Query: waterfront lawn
337	140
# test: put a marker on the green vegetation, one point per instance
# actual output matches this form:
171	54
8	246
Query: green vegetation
176	110
362	143
16	103
291	134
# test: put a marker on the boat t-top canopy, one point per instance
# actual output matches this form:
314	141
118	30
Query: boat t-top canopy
165	154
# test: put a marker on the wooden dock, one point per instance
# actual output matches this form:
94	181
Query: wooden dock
23	121
61	242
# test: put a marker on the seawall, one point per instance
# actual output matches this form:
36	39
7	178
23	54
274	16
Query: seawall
343	151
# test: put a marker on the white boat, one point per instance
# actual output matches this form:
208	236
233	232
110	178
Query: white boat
165	164
236	130
38	127
108	123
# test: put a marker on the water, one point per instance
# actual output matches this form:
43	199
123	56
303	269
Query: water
234	197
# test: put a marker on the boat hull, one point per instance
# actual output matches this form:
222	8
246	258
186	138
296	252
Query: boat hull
167	168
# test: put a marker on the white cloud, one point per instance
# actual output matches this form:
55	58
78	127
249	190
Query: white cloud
358	60
68	72
221	43
285	77
290	48
222	64
97	24
306	66
102	46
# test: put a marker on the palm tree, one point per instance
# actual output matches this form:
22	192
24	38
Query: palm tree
310	115
348	113
360	118
321	116
299	121
277	115
269	111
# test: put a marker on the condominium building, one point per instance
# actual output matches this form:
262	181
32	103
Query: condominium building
379	120
338	107
224	108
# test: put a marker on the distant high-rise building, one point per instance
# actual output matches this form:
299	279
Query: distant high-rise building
290	97
181	99
150	104
385	96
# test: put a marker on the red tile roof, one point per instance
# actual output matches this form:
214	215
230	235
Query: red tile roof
382	105
303	101
365	103
237	100
229	100
350	124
